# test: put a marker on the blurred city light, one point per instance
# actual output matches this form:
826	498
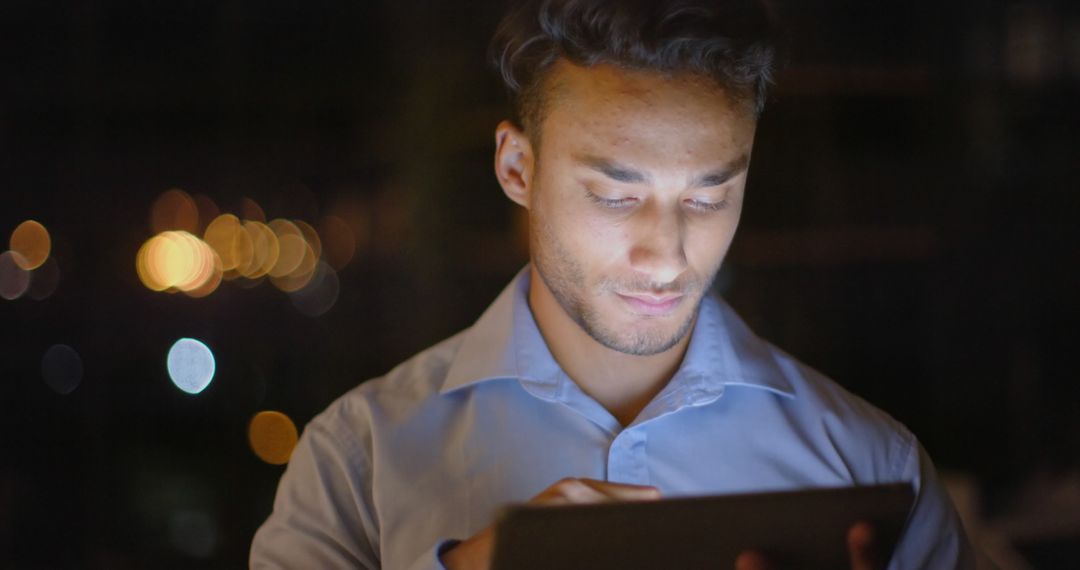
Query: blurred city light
265	250
31	241
174	210
356	214
62	368
176	261
320	294
14	280
212	280
191	365
251	210
227	236
339	242
208	211
311	236
44	280
245	250
301	275
194	533
291	247
272	436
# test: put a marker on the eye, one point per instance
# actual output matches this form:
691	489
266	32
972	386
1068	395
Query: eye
612	203
704	206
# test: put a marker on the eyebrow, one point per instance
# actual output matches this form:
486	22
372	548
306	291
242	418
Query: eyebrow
628	175
614	171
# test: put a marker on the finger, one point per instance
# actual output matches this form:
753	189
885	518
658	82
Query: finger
472	553
580	491
752	560
570	491
623	491
861	547
587	491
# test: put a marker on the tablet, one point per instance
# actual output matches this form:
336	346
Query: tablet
796	529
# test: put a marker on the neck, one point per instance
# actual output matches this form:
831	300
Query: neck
623	383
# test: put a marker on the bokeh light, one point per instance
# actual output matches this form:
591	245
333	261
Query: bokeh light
264	247
32	242
227	236
251	210
212	281
272	436
191	365
174	210
291	247
44	280
176	261
301	276
245	250
208	210
356	213
339	242
62	368
311	236
320	294
194	533
14	280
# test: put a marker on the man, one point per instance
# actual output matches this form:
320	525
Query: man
606	370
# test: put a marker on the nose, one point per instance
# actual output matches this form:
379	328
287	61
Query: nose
658	252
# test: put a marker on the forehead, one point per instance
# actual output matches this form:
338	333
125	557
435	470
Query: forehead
656	116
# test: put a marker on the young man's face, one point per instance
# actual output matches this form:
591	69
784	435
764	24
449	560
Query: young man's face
636	193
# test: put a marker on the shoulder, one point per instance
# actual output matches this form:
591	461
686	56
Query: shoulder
855	427
820	411
831	399
399	393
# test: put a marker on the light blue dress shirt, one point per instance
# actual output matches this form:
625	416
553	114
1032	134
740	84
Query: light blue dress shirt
401	464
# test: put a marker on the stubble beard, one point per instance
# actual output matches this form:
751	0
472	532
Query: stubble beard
565	278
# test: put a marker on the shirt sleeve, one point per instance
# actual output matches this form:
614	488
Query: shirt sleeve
933	537
322	515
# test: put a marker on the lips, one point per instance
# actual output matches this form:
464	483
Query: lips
652	305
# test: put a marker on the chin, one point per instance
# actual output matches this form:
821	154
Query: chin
643	335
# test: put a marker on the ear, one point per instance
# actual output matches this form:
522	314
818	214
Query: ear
514	162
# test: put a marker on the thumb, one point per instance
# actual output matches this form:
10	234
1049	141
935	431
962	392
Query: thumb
862	547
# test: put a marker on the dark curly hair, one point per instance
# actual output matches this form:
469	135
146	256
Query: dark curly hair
730	41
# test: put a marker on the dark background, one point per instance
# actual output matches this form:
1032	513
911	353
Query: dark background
910	230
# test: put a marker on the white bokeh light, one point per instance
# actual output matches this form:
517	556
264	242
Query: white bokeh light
191	365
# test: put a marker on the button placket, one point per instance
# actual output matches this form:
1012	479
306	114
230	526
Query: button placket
626	458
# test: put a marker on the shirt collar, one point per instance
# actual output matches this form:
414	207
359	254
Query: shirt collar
488	349
506	343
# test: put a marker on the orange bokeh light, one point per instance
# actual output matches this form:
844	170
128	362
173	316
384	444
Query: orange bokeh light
174	210
212	281
300	276
208	210
32	242
227	236
291	247
339	242
251	210
176	261
311	237
265	250
272	436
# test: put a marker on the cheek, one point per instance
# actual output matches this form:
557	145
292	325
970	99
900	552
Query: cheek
585	233
708	242
607	241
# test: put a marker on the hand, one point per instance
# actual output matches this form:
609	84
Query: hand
861	550
475	553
